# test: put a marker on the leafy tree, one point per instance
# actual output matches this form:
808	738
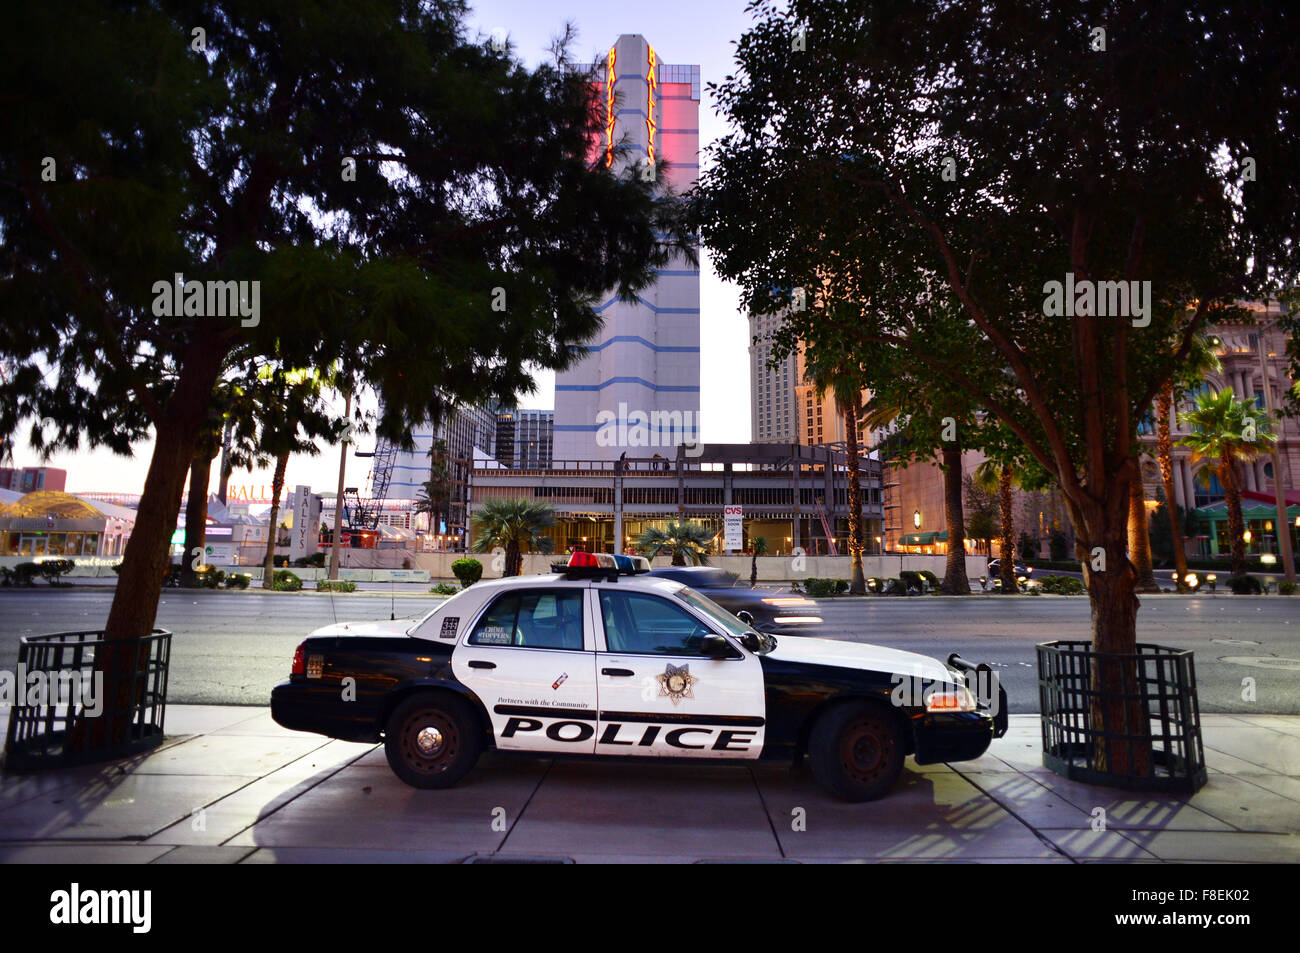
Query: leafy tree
435	493
991	155
1229	432
416	208
516	526
993	477
984	511
686	541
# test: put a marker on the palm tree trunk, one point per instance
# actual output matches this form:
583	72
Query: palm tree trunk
1007	549
196	516
277	484
858	583
1236	524
514	558
955	582
1165	457
1139	539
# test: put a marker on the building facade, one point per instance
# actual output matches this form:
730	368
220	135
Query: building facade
639	384
773	403
793	495
525	438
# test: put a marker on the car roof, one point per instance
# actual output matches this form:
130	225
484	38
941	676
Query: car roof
641	582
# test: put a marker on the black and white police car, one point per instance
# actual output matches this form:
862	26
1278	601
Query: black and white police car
592	661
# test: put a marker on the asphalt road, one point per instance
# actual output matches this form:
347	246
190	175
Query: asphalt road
232	647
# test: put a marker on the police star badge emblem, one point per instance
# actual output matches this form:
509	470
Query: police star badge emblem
675	683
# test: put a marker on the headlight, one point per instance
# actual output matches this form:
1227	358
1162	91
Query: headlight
957	698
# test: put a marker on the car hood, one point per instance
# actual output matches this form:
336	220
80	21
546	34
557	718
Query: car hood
858	655
387	627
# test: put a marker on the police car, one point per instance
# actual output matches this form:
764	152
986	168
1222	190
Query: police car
599	660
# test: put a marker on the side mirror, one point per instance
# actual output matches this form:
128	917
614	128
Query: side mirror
715	646
745	616
752	641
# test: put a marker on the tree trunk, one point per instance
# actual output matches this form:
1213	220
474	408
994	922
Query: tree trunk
145	561
1236	524
196	517
1139	539
679	557
858	583
753	571
1165	457
955	582
514	559
277	484
1007	547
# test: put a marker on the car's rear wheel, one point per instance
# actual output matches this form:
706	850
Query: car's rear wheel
431	740
856	751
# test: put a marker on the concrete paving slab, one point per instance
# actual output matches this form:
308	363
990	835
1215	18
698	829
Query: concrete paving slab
200	719
223	819
204	855
131	806
1287	787
1098	845
937	815
1132	810
343	855
1242	804
1268	752
687	811
368	807
1287	724
229	755
1020	794
259	724
1235	848
50	853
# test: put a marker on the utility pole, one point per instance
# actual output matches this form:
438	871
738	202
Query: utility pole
1282	524
336	555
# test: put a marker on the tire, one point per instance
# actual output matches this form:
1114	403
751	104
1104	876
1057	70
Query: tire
448	748
856	751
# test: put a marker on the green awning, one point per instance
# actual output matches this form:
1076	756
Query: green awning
1258	511
924	539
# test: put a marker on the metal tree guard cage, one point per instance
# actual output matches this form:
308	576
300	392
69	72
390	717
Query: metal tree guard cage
1159	680
131	699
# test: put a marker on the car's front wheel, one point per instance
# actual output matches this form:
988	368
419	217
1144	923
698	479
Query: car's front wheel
431	740
856	751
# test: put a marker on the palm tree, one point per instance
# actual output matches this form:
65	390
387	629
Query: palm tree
991	476
1139	536
757	547
682	540
846	388
1227	431
1202	360
435	492
514	525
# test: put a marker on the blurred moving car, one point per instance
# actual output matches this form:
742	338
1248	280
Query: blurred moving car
770	610
994	568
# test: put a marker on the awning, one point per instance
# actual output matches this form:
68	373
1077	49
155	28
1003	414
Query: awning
1258	511
924	539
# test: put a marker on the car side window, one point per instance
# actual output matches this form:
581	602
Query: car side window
537	619
647	625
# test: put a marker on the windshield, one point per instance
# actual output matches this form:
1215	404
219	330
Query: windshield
714	611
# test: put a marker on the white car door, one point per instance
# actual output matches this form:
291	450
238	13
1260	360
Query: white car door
659	694
529	657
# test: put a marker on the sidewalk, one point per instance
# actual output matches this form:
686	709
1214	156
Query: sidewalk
230	786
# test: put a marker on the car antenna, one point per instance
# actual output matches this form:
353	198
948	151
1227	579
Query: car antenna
392	599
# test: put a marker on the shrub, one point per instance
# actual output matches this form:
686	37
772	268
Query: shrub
52	569
1245	585
1285	588
238	580
1058	547
285	581
315	560
911	580
1061	585
468	571
281	561
444	589
825	587
875	584
930	578
335	585
894	587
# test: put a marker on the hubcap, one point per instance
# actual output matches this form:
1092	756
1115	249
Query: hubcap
865	749
429	741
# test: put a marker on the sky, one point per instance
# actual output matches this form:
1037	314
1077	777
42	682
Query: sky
681	31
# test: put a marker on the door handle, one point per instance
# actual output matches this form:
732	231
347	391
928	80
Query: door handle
478	664
617	672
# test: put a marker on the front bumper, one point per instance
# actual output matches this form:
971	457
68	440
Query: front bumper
963	736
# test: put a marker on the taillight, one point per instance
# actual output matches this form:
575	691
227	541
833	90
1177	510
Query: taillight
299	660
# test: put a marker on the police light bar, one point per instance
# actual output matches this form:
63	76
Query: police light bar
632	565
588	566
